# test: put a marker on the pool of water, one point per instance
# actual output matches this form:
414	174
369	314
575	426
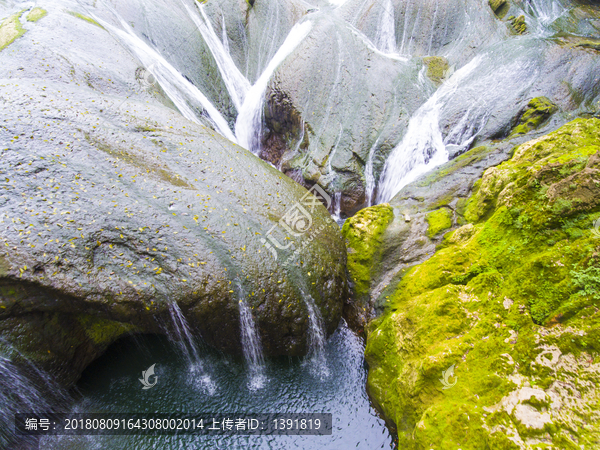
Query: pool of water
224	385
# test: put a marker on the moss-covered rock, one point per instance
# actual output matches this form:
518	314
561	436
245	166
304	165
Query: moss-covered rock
363	233
438	221
593	44
437	67
518	25
36	14
500	7
10	30
538	111
84	17
511	304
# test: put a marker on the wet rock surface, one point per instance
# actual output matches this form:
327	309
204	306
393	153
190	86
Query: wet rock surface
485	335
114	209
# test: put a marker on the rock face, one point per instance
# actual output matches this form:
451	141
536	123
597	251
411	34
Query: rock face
114	209
371	80
492	342
364	232
336	108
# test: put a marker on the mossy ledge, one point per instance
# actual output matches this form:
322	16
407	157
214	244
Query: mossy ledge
512	301
500	7
538	111
86	18
11	29
363	233
36	14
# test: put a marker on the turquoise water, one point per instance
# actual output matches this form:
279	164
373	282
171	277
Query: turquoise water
223	386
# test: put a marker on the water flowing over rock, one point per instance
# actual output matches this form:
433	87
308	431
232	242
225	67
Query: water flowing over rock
316	338
188	344
24	388
333	120
119	215
326	91
495	319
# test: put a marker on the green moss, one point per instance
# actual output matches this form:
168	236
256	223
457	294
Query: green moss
86	18
363	233
438	221
538	110
465	160
437	67
500	7
521	278
593	44
518	25
103	332
36	14
10	30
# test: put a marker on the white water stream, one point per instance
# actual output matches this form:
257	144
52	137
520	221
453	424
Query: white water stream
386	35
316	338
179	90
252	347
186	342
422	147
236	83
249	121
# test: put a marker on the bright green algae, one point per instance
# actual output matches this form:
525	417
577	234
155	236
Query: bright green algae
511	299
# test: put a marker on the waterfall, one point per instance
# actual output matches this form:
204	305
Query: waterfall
369	174
185	340
25	388
543	13
179	90
386	35
316	338
249	121
224	39
437	6
251	347
336	206
373	47
236	83
547	11
405	27
422	147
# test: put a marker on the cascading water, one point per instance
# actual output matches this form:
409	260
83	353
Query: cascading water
316	338
369	175
547	11
337	3
336	206
24	388
187	344
386	35
236	83
422	147
248	99
249	121
251	347
180	91
373	47
224	39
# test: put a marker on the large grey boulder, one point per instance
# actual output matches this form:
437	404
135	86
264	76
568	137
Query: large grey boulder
113	210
